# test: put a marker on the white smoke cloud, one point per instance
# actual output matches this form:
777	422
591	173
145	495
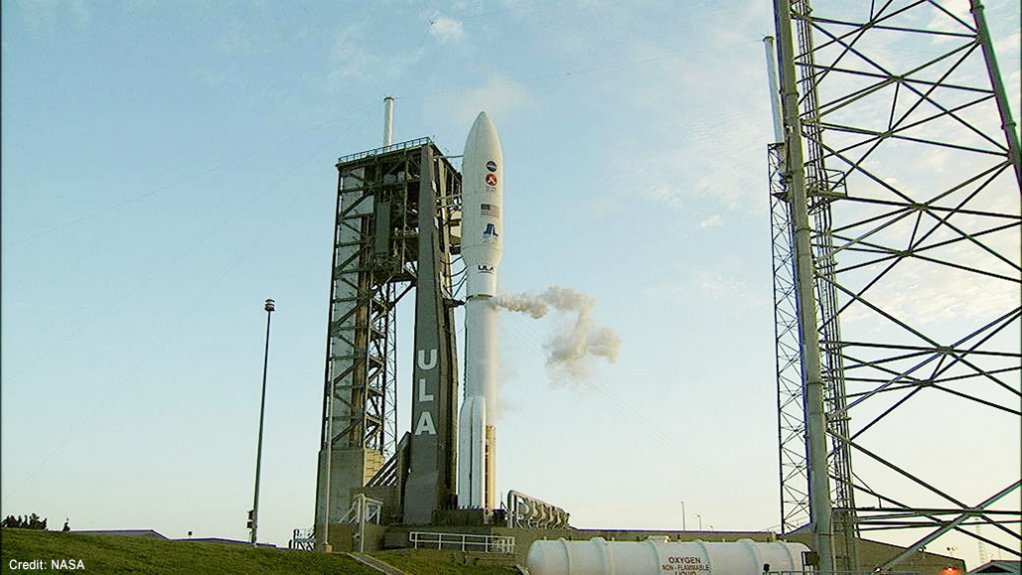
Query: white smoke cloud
573	346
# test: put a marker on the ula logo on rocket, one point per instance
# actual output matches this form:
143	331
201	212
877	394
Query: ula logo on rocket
485	269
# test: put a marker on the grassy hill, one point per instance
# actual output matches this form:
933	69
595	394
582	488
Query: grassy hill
431	562
102	554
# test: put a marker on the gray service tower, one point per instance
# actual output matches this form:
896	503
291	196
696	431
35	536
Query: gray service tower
396	209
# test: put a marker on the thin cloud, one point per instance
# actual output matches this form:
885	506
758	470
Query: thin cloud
718	127
942	22
921	293
714	221
498	96
667	197
446	29
355	56
696	173
720	286
349	50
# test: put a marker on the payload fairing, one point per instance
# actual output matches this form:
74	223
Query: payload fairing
481	249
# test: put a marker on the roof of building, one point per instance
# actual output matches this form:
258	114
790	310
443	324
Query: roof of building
1011	567
144	533
222	540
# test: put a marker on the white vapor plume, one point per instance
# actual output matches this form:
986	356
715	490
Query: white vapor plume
571	348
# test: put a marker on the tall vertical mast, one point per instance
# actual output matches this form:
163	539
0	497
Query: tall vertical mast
816	425
388	120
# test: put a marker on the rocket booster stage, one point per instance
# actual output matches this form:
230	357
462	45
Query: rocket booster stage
482	244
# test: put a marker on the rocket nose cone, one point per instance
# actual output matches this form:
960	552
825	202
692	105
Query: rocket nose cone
482	131
483	123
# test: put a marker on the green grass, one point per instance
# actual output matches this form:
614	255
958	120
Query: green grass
116	554
436	564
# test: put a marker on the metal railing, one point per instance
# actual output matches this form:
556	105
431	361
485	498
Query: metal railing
363	510
462	542
385	149
303	540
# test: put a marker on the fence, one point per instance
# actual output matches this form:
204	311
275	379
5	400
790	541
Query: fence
462	542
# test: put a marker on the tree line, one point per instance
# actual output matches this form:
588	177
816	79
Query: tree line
21	522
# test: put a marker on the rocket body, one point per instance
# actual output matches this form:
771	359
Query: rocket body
481	250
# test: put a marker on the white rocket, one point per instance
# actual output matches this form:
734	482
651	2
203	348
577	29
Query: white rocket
482	244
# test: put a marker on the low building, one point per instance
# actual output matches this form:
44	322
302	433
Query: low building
1009	567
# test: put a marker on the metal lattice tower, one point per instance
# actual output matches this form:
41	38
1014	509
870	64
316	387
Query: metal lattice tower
910	167
396	207
373	268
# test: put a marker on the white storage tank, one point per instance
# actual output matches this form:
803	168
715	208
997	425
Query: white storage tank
660	556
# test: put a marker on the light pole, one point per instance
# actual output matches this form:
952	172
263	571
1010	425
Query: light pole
253	515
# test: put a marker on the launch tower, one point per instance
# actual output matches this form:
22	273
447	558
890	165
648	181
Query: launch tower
396	207
895	190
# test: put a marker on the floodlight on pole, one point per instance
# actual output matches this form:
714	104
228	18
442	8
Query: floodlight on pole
253	515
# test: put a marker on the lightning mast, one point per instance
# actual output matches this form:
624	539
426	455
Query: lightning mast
896	204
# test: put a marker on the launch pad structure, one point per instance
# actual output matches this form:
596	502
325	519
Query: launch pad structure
856	223
397	207
398	230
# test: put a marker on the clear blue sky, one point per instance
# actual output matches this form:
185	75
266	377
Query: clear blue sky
167	166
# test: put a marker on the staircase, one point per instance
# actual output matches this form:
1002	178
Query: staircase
374	563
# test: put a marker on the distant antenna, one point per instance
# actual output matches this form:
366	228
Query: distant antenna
388	120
